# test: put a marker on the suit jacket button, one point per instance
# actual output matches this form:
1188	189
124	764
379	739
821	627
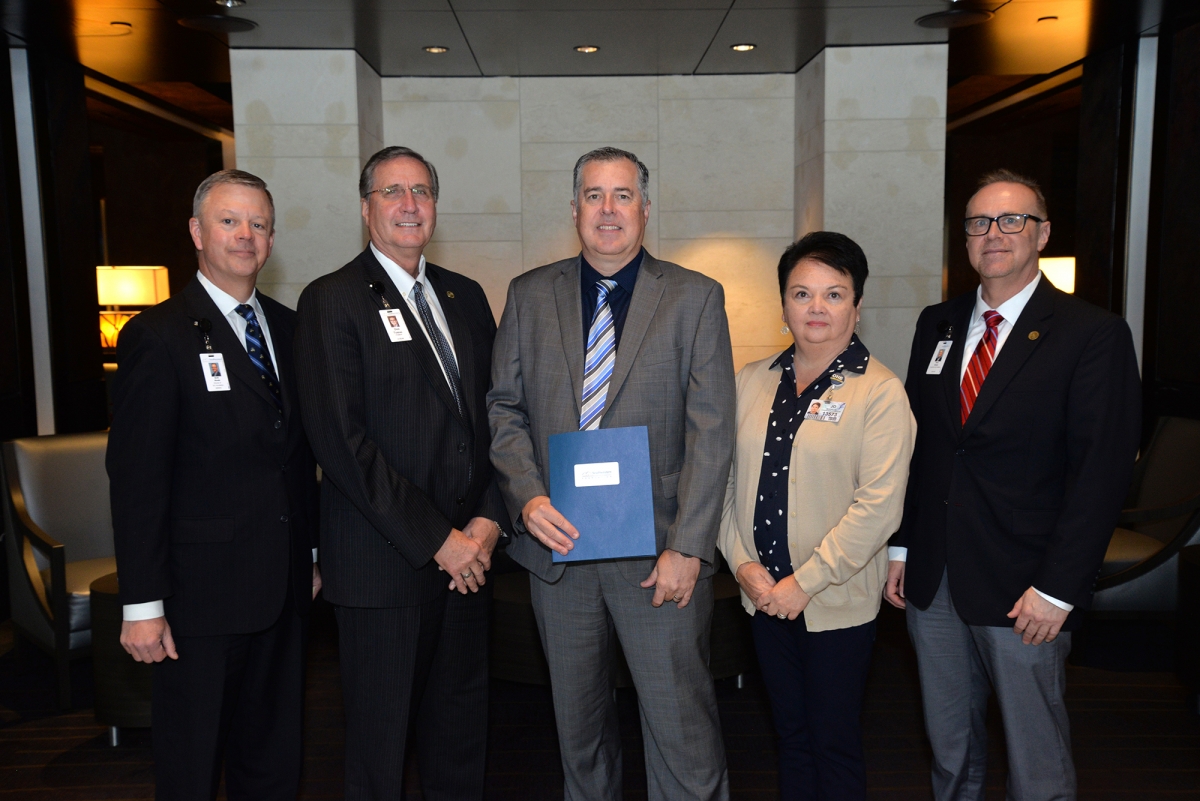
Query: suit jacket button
960	451
945	503
462	447
459	501
283	518
278	424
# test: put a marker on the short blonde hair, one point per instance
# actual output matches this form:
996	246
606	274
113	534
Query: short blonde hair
239	177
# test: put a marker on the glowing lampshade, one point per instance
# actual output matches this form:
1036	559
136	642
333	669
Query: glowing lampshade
132	286
1060	271
126	286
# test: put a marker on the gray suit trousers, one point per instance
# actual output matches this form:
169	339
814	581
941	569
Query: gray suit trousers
959	665
667	650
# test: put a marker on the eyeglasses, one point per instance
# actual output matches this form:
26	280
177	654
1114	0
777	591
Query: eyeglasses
395	192
1007	223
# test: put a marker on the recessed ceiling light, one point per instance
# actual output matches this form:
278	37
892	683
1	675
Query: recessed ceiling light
436	49
742	48
586	49
231	3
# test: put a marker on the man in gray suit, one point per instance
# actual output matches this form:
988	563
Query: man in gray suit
614	337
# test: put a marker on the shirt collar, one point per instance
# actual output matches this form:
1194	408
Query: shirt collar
854	358
626	277
1010	309
226	303
400	276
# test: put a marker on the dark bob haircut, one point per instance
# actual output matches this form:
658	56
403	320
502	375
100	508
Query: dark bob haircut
831	249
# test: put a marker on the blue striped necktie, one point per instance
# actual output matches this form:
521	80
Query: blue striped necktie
598	360
256	347
444	354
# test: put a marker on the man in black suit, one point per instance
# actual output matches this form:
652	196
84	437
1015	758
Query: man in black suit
408	503
214	511
1027	432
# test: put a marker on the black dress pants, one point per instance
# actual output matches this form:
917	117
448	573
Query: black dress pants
236	700
419	669
816	681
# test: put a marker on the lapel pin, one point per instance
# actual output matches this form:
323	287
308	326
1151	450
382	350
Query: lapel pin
1033	335
450	295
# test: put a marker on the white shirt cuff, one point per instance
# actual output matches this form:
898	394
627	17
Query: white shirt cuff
314	554
1060	604
146	611
897	554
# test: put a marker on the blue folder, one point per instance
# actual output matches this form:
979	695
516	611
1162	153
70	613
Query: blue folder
615	520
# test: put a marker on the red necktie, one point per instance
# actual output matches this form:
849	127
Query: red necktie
981	362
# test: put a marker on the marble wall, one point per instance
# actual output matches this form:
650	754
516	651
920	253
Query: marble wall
505	148
870	163
305	122
739	166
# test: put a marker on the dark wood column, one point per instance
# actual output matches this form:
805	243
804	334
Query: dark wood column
18	410
71	232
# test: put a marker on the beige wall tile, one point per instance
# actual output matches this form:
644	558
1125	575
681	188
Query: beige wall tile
286	293
906	290
888	333
450	89
620	109
724	224
474	145
724	155
904	134
492	264
726	86
478	228
370	98
290	141
745	354
267	83
809	210
886	82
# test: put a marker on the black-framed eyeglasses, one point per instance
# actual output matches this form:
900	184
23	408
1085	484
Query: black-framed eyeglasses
1007	223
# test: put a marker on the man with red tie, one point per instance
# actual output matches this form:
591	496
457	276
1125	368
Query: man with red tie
1027	431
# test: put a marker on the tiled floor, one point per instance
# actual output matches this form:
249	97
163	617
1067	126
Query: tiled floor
1135	735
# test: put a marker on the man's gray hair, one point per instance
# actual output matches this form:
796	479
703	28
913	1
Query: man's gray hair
389	154
236	177
612	154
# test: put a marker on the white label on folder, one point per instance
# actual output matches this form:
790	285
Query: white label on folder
597	474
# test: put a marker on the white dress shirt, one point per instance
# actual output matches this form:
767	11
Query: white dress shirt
407	286
1010	310
227	305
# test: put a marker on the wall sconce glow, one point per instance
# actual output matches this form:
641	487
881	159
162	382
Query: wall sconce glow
1060	271
742	48
436	49
587	49
127	286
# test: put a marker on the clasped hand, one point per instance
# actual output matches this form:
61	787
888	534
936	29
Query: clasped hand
466	555
782	598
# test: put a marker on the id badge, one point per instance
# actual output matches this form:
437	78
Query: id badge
393	323
213	365
825	411
940	354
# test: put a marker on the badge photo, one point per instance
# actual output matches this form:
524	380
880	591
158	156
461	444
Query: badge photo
213	367
825	411
393	323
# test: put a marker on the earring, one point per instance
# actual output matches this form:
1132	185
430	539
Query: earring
857	323
785	330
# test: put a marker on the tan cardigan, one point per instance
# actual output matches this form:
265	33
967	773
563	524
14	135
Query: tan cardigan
846	495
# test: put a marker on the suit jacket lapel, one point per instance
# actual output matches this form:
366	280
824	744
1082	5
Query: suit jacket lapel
1017	348
460	333
570	326
647	292
960	318
224	341
420	348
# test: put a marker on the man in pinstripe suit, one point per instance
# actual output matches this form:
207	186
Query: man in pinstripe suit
672	372
393	355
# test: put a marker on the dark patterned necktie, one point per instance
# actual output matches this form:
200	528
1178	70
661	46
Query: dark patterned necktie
980	364
445	355
599	358
260	356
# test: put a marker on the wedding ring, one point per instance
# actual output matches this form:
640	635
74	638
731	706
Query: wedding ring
676	599
781	616
465	575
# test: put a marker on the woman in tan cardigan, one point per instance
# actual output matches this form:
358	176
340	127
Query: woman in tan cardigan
824	437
